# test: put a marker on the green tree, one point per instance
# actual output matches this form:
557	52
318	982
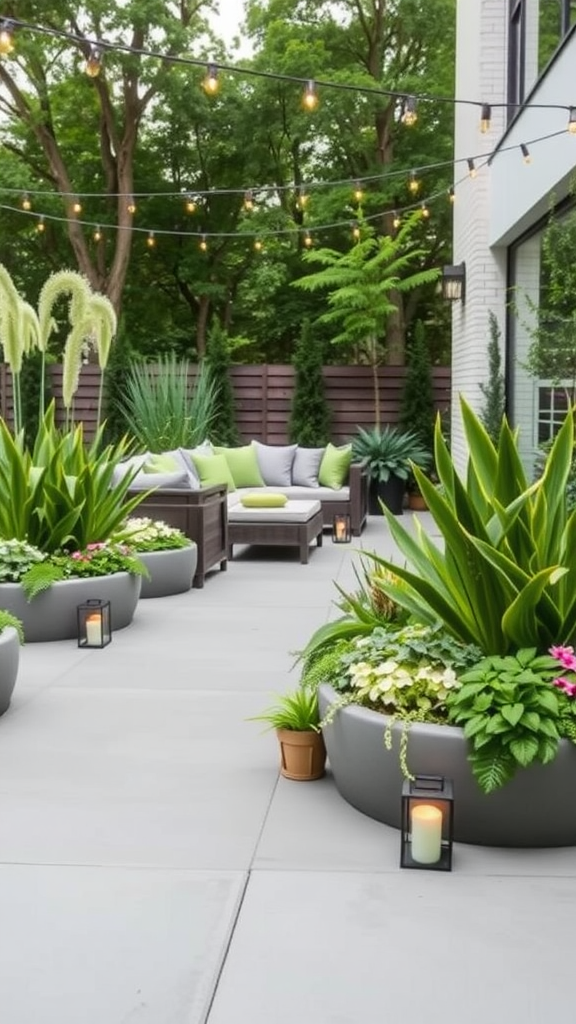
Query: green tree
494	390
309	423
223	429
417	411
361	287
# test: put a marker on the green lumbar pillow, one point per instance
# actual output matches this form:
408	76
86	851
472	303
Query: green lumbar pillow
243	465
213	470
334	467
160	464
264	500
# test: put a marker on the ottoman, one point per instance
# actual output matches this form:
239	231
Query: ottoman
296	524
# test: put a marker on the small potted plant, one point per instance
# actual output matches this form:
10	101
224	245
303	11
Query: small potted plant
295	717
388	454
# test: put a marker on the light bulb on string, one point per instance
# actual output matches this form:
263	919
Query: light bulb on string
190	205
26	202
413	183
258	246
131	205
151	241
358	193
6	37
471	168
203	244
301	200
424	211
93	64
451	194
485	118
572	121
396	222
409	115
308	241
211	83
97	236
76	207
310	99
525	153
356	231
40	227
248	201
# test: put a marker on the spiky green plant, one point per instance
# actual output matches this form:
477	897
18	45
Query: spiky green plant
161	410
506	575
297	711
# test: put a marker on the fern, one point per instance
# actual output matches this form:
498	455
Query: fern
40	577
492	767
325	666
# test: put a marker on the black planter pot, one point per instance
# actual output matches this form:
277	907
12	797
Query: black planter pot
391	493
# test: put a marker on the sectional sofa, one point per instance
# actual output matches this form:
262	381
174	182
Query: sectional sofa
193	489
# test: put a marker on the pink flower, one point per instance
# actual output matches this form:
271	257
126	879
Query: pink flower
565	685
566	657
94	547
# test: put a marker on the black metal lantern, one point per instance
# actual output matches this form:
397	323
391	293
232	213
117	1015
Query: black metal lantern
454	282
94	628
427	823
341	533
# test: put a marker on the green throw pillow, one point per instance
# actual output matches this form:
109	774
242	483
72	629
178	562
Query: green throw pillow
160	464
334	467
264	500
243	465
212	470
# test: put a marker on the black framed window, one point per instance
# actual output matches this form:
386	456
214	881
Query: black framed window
516	54
550	21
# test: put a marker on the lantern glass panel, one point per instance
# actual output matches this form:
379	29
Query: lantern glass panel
94	628
341	532
427	826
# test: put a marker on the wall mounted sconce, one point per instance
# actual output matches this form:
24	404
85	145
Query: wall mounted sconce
454	282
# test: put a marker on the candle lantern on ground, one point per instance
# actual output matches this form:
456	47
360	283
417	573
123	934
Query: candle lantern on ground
341	533
94	628
427	823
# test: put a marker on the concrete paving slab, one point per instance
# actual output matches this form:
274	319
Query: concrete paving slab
111	946
407	947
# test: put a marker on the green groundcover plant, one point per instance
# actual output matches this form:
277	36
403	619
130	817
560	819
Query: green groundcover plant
144	534
37	570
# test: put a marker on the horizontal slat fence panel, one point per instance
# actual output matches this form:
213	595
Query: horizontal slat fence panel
263	397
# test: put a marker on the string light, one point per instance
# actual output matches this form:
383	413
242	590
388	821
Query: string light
40	227
301	200
572	120
190	205
131	205
396	222
485	118
76	207
97	234
151	241
258	245
525	153
26	203
356	230
424	211
203	244
451	194
471	168
93	64
409	114
248	201
6	37
358	193
310	99
413	183
211	83
308	241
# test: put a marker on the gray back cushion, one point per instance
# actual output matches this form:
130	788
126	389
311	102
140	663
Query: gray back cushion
275	463
306	465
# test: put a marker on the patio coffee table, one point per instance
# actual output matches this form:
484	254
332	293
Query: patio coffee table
296	524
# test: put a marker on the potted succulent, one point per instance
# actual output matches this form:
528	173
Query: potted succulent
11	637
295	717
388	453
169	556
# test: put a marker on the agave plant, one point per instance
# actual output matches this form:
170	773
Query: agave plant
389	452
506	576
61	494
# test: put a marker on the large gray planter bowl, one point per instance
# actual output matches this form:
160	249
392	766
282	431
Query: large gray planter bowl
537	808
52	615
9	661
171	572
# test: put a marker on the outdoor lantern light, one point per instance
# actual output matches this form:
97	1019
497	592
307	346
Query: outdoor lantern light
341	529
94	628
427	823
454	282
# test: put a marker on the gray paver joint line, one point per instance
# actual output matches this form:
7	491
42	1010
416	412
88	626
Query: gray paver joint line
205	1019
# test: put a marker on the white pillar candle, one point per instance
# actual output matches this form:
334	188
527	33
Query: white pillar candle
426	833
94	629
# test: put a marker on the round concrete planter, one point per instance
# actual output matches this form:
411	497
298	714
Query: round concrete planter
9	661
171	572
52	615
535	809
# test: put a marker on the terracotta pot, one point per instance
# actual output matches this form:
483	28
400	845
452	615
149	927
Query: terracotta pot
302	754
416	502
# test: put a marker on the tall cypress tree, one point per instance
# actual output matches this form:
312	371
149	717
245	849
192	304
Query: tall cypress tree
224	430
494	390
309	423
417	410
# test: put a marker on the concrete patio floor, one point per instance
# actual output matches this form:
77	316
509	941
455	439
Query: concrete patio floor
154	868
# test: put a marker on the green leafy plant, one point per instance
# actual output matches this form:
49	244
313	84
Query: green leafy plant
494	390
309	423
160	408
506	575
389	451
61	494
16	558
7	619
297	711
100	559
510	713
145	534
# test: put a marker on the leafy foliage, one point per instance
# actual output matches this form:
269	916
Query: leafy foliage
310	415
509	713
223	429
297	711
145	534
389	451
8	619
417	407
494	390
506	576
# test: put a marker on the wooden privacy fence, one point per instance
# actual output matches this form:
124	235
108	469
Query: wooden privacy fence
263	397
